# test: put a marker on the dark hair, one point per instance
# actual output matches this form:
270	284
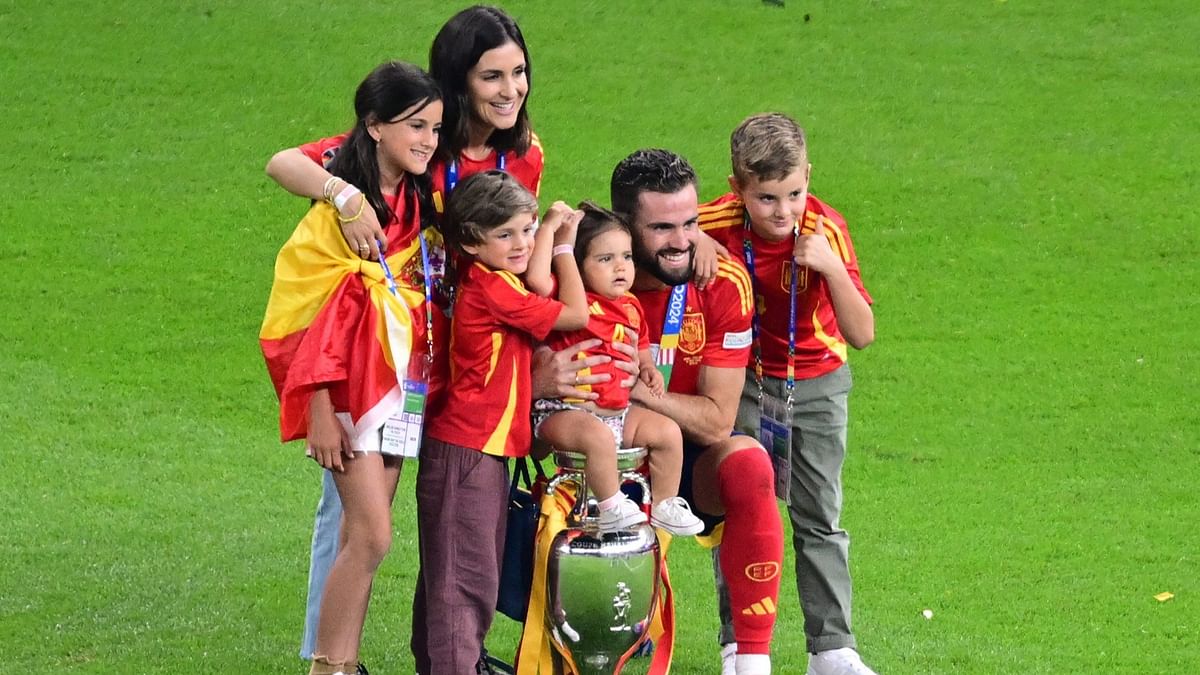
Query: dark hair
648	170
389	90
483	202
596	221
455	51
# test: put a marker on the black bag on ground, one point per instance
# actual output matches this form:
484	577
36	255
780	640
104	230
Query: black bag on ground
516	569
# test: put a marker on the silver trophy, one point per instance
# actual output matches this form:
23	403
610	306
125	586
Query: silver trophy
602	590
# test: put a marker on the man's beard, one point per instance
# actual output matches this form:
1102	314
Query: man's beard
653	265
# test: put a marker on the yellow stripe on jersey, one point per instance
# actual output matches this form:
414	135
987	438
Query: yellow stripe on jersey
618	332
496	442
513	281
583	372
497	342
831	343
717	216
595	308
737	274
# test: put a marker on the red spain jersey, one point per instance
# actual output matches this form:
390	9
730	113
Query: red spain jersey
526	168
820	347
496	321
715	330
608	320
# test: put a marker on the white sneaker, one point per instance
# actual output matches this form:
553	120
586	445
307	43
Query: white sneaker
844	661
728	659
752	664
675	516
625	514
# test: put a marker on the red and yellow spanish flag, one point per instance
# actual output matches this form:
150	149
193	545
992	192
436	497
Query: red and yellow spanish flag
332	322
535	654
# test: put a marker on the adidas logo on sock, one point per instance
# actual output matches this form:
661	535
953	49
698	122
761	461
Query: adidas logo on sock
764	606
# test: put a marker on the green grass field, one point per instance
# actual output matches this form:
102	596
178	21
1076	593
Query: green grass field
1020	179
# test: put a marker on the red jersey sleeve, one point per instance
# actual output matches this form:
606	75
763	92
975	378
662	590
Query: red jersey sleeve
642	329
728	304
723	219
323	151
838	234
514	305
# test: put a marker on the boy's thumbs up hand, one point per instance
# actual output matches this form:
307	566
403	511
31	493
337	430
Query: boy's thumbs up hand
813	250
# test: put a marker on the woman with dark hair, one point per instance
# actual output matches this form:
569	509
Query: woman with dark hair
482	65
339	334
481	62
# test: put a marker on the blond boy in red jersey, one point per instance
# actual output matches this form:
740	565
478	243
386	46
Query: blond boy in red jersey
811	304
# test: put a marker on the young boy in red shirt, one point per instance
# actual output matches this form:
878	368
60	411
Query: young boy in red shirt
500	309
810	304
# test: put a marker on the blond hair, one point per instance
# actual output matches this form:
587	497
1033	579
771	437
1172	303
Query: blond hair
767	146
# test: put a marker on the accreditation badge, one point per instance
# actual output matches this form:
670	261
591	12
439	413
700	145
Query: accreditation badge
402	431
775	434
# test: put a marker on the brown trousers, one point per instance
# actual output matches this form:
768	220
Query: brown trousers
462	499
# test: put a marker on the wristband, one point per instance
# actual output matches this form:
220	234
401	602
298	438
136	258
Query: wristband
345	195
561	249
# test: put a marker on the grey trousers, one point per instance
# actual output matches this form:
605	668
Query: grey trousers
819	416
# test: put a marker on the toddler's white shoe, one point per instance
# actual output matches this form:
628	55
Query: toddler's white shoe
624	515
675	516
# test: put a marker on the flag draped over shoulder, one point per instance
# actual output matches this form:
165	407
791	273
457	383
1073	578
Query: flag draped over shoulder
535	652
332	322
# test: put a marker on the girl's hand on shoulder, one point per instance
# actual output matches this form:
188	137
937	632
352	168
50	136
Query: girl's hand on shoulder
708	251
361	229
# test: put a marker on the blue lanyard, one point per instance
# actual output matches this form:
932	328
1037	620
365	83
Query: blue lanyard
451	183
672	324
748	254
452	171
427	269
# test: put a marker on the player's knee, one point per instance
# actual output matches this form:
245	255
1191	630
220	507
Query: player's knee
746	477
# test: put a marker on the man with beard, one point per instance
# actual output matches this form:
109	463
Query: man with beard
701	341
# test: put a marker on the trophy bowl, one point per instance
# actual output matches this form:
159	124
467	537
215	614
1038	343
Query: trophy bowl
600	588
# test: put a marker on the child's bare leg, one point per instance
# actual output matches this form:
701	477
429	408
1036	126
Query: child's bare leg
664	442
366	489
582	432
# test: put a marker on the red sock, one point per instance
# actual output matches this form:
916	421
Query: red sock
751	546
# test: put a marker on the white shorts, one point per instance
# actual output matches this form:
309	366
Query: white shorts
545	407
